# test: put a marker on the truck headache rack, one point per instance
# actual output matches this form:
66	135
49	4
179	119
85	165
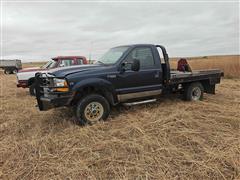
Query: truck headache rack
166	65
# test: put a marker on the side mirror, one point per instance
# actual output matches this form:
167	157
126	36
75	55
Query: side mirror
122	68
135	65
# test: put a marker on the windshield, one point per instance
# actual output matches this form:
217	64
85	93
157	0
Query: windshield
49	64
112	56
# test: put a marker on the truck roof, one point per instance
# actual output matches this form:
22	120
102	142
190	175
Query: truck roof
70	57
131	45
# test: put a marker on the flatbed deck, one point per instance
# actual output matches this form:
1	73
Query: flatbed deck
177	77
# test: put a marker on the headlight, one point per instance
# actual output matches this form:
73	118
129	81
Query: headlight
60	85
59	82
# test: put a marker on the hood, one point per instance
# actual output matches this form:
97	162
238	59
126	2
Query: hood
29	69
64	71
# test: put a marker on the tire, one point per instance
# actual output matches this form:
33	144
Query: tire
92	108
194	92
32	90
15	71
7	71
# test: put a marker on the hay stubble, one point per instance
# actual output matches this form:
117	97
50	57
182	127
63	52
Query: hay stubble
169	139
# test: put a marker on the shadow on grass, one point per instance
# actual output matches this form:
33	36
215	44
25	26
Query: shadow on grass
64	115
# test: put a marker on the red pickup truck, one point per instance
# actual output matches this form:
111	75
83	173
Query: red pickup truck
26	76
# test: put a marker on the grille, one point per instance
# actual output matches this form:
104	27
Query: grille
44	79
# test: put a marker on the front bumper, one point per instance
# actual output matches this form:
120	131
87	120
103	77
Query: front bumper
46	103
46	98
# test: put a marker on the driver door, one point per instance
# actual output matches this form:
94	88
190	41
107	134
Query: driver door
148	78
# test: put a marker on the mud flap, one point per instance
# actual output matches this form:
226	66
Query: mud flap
210	89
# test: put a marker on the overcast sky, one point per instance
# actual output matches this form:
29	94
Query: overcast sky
39	31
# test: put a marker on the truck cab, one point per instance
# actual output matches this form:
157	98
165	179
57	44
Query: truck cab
26	76
129	74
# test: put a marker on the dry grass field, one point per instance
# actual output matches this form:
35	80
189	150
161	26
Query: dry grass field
34	64
169	139
229	64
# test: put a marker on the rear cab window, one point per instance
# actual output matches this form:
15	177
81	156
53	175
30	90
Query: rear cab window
66	62
79	61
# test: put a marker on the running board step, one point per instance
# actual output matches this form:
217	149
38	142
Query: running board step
139	102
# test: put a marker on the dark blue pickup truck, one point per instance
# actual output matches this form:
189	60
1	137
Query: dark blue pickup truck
131	74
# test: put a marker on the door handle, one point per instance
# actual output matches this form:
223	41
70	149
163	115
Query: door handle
111	76
156	74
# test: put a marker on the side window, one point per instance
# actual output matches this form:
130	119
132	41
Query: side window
144	55
67	62
79	61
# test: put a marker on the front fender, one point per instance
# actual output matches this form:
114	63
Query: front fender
96	83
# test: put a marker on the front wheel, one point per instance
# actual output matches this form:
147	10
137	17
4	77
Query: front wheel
194	92
32	89
92	108
7	71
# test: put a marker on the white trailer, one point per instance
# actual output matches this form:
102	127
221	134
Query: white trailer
10	66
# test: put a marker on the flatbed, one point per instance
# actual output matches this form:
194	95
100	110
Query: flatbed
182	77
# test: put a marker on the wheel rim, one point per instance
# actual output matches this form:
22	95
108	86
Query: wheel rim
196	93
93	111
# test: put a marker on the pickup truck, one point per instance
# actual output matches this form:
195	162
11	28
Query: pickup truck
131	74
26	76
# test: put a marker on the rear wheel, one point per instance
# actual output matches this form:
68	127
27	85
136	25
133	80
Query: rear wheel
194	92
92	108
14	71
